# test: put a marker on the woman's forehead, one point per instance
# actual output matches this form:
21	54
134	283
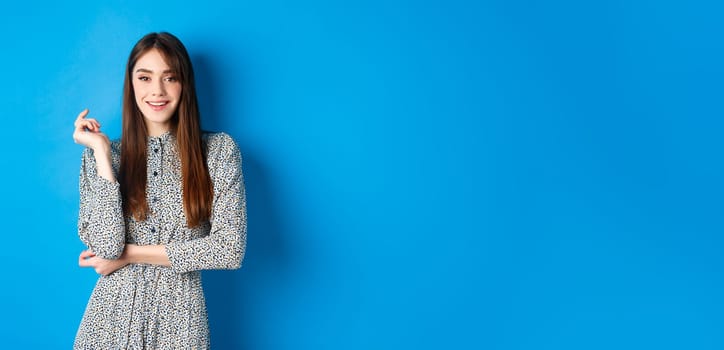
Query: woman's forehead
153	61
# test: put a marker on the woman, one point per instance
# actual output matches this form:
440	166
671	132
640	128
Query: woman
156	208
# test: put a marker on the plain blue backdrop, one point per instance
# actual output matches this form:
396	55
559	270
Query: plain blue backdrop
420	174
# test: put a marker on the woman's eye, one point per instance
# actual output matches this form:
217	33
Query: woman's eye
144	78
171	79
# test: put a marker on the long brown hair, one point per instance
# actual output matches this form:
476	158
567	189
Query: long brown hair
185	125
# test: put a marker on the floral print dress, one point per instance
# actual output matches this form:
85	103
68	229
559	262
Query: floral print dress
142	306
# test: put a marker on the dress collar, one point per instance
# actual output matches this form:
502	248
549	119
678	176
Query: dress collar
163	138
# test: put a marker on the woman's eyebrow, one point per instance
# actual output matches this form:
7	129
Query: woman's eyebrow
144	70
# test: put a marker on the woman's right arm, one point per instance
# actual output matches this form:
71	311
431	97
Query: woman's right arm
100	219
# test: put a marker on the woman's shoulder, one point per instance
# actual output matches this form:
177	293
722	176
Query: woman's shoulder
116	146
222	154
219	143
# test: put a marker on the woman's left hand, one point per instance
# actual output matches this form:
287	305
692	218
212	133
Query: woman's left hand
102	266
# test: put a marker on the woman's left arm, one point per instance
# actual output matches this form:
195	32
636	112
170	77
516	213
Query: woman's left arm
225	245
132	254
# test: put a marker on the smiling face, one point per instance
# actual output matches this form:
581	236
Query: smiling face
157	91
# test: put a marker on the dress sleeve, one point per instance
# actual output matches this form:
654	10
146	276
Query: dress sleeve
225	245
100	219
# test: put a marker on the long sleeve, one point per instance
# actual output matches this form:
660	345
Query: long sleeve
100	219
225	245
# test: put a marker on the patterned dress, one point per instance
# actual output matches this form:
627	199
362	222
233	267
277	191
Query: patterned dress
143	306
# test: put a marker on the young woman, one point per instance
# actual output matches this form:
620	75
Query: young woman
156	208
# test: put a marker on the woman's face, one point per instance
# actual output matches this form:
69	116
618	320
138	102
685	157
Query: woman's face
157	91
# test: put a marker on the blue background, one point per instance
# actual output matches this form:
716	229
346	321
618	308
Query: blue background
420	174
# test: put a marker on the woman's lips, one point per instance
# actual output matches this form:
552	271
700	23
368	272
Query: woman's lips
157	105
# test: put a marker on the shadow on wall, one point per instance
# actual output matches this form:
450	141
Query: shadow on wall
233	298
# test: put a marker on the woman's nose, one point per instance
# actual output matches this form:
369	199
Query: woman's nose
158	89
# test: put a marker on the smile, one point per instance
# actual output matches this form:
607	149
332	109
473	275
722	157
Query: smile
157	106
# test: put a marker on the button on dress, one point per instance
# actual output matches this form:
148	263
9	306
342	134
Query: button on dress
142	306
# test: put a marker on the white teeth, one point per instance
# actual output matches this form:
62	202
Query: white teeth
157	103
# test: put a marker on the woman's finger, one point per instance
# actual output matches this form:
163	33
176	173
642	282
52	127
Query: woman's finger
86	124
81	124
85	262
96	125
80	117
89	121
85	255
82	114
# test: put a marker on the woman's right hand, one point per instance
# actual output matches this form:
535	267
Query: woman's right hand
88	133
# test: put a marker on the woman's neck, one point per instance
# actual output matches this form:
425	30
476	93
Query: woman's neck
156	130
